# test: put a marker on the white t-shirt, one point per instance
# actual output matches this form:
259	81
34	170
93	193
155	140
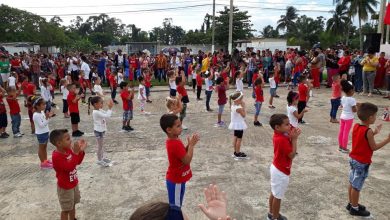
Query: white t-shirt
142	92
85	68
98	89
72	67
272	83
239	85
172	84
237	121
209	84
347	103
99	119
120	78
65	92
40	81
193	75
45	93
41	124
12	81
290	113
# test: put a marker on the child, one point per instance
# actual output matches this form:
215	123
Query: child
285	150
120	76
41	123
238	79
12	80
14	111
181	82
272	89
45	93
73	104
277	77
148	84
65	93
174	105
65	160
199	83
113	84
179	157
222	100
363	147
30	110
303	92
97	88
3	116
193	74
83	88
259	99
172	83
237	123
100	126
127	100
292	111
209	89
335	101
142	95
52	82
347	116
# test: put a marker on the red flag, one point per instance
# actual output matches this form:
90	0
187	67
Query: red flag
387	15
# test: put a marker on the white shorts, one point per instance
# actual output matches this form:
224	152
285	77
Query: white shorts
279	182
4	77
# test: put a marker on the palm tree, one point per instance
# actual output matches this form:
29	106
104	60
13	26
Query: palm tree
361	8
336	24
287	21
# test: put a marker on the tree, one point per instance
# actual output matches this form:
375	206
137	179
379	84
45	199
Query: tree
336	24
242	27
168	34
308	30
269	32
361	9
287	21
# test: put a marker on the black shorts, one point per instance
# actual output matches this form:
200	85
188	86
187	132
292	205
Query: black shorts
238	133
3	120
172	92
74	118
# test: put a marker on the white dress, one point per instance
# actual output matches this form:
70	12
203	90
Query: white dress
237	121
239	85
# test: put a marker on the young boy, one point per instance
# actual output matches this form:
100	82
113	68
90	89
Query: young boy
148	84
259	99
113	85
303	91
179	157
142	95
285	149
14	111
73	104
335	101
272	89
127	99
199	83
363	146
65	161
3	116
181	82
222	100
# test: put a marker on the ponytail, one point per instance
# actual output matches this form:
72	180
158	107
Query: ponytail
92	101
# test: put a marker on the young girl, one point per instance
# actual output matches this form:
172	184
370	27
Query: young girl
222	100
12	80
292	110
209	89
45	93
272	89
238	79
181	82
30	110
172	83
65	93
97	88
335	101
142	95
237	123
347	115
41	122
174	105
100	126
259	99
193	74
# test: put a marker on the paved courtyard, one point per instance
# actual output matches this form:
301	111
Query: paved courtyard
318	184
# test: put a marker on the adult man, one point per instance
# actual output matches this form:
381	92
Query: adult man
161	66
4	69
73	67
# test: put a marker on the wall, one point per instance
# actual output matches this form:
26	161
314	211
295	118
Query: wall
13	49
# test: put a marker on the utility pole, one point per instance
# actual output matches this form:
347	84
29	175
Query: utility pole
381	25
230	43
213	34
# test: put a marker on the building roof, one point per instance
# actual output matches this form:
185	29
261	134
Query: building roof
19	44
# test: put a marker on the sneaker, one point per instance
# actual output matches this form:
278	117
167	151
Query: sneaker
302	122
342	150
6	134
257	123
80	132
102	163
148	101
349	206
76	134
249	87
271	106
18	135
3	136
269	216
199	99
242	154
281	217
124	128
184	127
130	128
106	160
209	110
46	165
359	212
116	102
277	96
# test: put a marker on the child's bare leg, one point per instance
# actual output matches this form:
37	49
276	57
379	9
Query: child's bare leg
276	207
354	197
65	215
42	152
124	123
128	123
238	145
270	201
271	100
219	117
349	193
235	143
2	130
256	118
72	213
75	127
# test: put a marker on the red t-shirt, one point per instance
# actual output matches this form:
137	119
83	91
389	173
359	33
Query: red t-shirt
127	104
133	63
112	80
24	87
73	106
177	171
254	77
13	106
148	80
2	106
221	90
361	150
199	80
182	91
15	62
282	148
30	89
65	167
302	91
53	84
259	94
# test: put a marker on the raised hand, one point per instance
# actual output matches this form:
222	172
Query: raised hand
82	144
76	147
216	203
294	133
378	129
193	140
110	104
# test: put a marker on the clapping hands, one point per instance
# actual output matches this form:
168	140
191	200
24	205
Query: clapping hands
193	140
79	146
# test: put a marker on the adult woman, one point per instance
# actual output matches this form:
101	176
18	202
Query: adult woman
369	63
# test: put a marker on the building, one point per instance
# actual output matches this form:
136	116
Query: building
16	47
262	44
135	47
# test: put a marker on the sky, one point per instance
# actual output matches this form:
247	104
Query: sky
188	14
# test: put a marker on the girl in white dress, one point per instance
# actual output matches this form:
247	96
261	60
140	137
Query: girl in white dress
237	123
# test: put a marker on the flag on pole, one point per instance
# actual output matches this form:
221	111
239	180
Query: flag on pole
387	15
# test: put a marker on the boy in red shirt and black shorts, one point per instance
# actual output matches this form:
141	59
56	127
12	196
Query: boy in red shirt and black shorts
73	103
285	149
179	157
363	147
65	161
148	84
127	100
303	91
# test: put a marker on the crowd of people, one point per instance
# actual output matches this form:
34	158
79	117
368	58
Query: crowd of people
302	72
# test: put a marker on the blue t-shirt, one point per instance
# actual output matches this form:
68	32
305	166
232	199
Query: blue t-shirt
102	65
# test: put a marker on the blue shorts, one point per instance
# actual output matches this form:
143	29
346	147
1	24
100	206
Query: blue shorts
128	115
258	107
220	109
272	91
175	193
99	134
43	138
147	90
357	174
